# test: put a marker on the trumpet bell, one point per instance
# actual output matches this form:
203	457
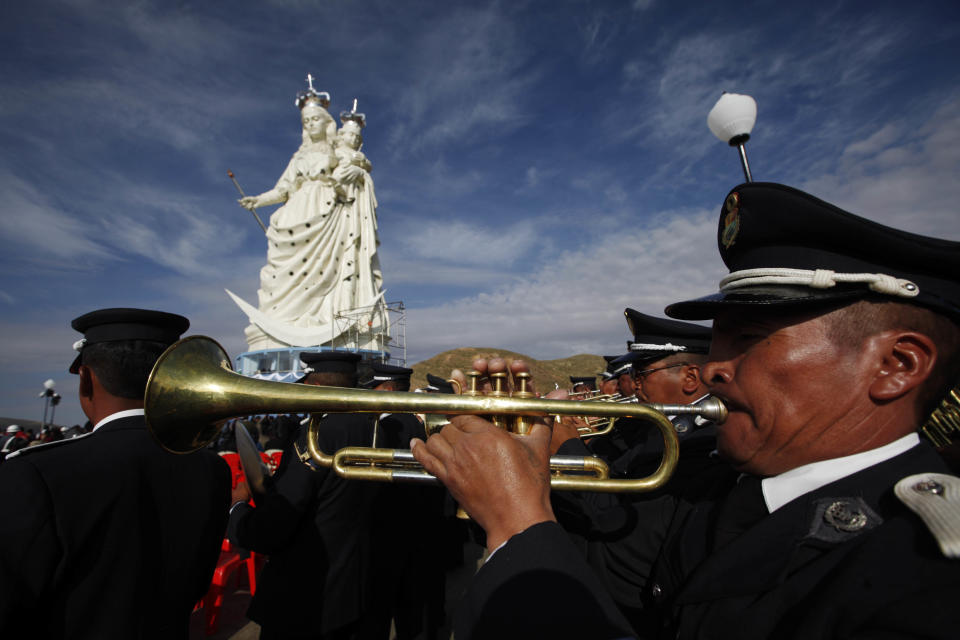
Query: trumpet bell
172	416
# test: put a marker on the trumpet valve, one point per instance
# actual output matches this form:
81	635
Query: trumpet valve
498	380
522	424
523	379
473	381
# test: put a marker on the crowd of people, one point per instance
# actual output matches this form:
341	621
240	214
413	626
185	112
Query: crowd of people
809	508
16	437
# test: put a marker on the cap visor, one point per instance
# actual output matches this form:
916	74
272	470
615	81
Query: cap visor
708	307
638	357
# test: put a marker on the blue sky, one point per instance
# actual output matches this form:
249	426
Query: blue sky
539	165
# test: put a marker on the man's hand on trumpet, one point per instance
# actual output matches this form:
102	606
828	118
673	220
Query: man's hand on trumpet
502	480
486	366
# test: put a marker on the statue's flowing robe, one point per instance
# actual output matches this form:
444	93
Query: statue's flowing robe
321	257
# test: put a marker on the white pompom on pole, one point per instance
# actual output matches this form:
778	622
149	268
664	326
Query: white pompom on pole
731	120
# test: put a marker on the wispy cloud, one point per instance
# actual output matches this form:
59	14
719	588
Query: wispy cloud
479	85
797	82
597	32
470	243
903	174
39	230
573	302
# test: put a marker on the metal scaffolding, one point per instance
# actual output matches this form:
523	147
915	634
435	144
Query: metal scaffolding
381	328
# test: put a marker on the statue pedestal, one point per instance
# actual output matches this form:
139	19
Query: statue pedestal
380	340
283	365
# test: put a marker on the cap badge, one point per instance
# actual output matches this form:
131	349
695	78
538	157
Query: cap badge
731	221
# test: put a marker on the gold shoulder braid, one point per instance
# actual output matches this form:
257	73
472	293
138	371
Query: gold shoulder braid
943	425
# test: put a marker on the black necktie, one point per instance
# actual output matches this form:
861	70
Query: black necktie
743	507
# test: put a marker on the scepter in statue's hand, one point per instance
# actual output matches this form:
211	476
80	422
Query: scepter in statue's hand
252	209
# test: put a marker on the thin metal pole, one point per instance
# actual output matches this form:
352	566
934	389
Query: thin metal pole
744	163
252	210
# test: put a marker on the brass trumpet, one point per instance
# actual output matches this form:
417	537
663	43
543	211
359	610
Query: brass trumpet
193	389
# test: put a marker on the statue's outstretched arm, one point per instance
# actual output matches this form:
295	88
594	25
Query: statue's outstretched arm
274	196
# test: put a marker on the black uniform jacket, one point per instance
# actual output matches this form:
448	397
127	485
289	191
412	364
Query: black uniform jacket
108	536
790	574
407	536
315	526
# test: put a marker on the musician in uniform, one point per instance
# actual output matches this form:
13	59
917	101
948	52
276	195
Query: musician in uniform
833	337
583	384
623	372
107	535
665	357
609	383
315	526
407	521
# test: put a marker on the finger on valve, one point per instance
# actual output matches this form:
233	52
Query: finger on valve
480	366
521	366
461	379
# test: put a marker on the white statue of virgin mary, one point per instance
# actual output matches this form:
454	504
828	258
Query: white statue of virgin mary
322	243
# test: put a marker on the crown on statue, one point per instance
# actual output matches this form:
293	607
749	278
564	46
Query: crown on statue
352	118
311	95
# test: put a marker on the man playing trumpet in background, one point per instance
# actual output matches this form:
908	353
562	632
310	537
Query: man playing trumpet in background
833	338
665	360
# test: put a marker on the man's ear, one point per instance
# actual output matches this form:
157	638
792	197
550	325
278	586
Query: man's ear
86	381
690	380
906	361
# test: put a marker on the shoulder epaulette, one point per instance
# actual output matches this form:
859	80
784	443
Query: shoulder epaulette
935	497
47	446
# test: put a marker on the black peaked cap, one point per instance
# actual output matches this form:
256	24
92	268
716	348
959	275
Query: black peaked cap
765	225
121	324
380	372
590	381
439	384
607	373
331	361
656	338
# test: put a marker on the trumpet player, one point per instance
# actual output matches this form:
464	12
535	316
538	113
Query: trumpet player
609	383
833	338
583	384
665	358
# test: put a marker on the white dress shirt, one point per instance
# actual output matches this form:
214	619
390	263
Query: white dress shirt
117	416
781	489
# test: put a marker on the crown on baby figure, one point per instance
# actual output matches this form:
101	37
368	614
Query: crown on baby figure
311	95
352	118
